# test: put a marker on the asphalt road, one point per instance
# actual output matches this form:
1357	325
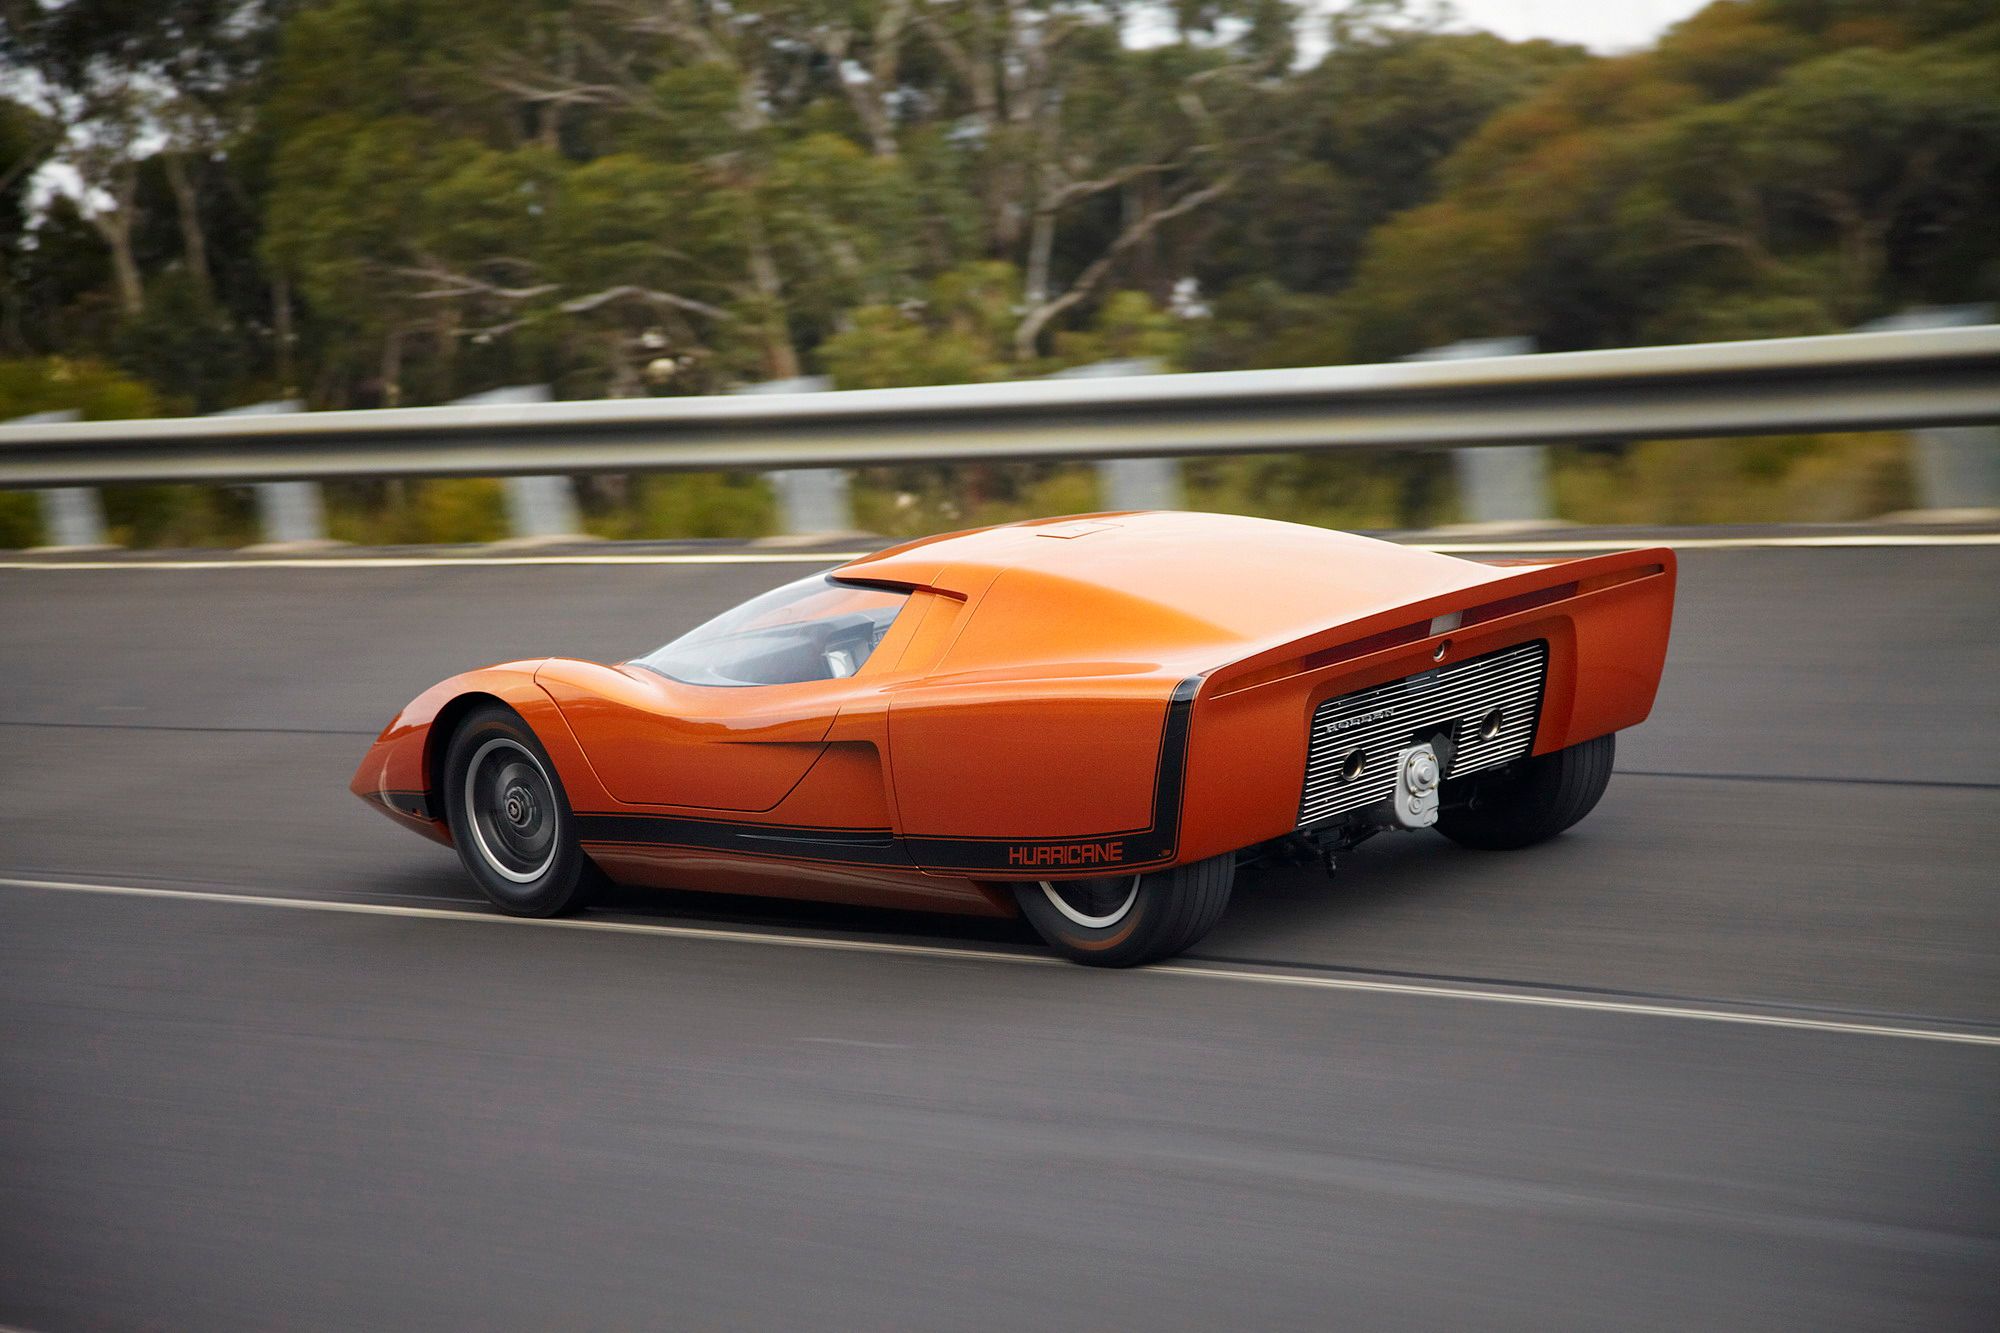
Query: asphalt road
1561	1106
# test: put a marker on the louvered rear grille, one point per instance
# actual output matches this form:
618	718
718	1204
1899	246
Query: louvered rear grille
1459	696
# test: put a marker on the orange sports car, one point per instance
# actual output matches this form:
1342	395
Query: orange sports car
1090	722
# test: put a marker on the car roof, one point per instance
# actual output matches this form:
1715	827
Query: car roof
1179	579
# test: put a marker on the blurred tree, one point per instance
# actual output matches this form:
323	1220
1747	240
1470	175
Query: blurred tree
57	384
146	101
1359	137
1773	167
958	333
26	140
373	201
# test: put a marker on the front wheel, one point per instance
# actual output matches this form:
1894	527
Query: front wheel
1125	920
510	820
1527	802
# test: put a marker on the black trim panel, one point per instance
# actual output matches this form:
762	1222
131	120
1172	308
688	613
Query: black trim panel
410	804
870	847
1124	849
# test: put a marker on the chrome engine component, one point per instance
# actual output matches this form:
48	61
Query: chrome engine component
1418	774
1476	714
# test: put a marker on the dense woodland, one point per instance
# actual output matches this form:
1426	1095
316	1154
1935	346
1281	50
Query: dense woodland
367	202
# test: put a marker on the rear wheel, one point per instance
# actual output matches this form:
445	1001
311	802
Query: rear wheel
510	820
1125	920
1527	802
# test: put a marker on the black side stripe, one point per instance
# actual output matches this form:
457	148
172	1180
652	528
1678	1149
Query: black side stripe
413	804
1138	848
875	847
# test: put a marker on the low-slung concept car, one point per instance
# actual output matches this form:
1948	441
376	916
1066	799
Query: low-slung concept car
1087	721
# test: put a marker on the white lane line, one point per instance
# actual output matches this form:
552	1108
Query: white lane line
1494	546
1176	970
474	914
1653	1009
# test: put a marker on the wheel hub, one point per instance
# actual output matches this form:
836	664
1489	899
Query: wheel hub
519	806
511	810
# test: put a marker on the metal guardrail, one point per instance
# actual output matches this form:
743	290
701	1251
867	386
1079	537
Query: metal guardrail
1860	381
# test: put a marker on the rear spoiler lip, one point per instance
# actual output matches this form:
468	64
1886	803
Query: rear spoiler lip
1414	622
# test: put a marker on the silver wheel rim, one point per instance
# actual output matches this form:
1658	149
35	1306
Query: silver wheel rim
1090	914
510	806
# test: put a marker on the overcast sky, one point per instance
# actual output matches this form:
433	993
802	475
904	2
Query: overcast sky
1602	25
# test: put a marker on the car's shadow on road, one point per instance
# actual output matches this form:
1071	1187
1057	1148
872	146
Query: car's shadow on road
1270	898
1279	914
724	909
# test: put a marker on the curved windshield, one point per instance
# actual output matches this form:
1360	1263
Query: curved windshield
815	629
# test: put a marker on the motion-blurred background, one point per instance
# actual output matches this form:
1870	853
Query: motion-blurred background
207	204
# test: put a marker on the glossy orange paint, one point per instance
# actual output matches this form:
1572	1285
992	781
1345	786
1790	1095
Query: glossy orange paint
1062	697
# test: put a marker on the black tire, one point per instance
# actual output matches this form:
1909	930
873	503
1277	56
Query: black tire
1126	920
1527	802
510	819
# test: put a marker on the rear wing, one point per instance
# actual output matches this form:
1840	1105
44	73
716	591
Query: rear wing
1604	620
1504	600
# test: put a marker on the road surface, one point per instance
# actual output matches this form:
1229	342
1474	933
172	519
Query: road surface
1727	1055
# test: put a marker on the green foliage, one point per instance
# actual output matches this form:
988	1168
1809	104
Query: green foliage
185	340
1760	172
1789	479
20	520
179	516
97	392
691	504
1127	326
957	334
94	391
1359	137
1261	324
360	202
470	509
910	502
960	333
1342	491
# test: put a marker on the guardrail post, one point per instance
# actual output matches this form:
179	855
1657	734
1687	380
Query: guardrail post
1131	483
72	516
1957	467
538	508
1503	485
1139	483
289	513
812	501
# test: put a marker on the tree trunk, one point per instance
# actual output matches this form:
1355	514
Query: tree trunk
115	227
1028	333
392	368
446	330
781	359
885	68
874	117
131	291
188	204
1041	246
281	330
626	381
